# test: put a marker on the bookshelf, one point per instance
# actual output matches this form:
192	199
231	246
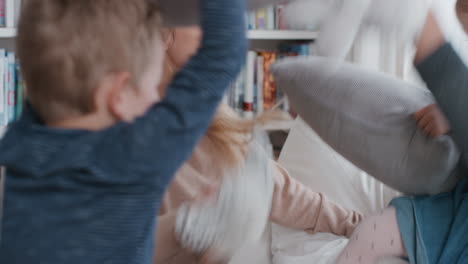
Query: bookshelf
260	39
6	33
268	32
272	40
10	33
281	35
280	125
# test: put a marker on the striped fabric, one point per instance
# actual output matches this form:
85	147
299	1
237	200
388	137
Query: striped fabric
75	196
367	117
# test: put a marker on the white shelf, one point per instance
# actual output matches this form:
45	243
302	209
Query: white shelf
282	34
284	122
7	32
283	125
252	34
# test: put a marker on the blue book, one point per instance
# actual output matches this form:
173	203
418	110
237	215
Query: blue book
11	88
19	92
304	50
3	97
251	20
301	49
2	13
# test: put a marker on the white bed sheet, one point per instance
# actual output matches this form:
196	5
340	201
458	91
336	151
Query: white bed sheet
315	164
259	253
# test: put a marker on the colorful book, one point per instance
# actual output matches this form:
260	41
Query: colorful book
19	92
11	87
10	11
269	88
248	103
298	48
18	6
3	68
239	91
270	17
252	20
255	90
280	21
2	13
261	15
259	84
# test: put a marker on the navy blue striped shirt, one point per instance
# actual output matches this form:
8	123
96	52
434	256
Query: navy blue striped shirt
76	196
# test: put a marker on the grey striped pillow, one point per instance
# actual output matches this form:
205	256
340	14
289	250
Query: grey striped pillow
367	117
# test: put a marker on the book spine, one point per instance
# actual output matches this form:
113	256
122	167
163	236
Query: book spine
269	88
2	13
252	24
270	18
280	22
304	50
18	6
238	91
2	88
11	93
248	104
10	13
259	84
19	92
261	18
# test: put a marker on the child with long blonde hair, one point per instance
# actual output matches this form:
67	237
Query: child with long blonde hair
225	147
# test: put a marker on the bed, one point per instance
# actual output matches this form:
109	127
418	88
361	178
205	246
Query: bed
332	175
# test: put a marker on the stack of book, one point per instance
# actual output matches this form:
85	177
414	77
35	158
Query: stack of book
9	13
269	18
11	88
255	90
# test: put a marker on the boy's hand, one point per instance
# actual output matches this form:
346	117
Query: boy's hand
432	121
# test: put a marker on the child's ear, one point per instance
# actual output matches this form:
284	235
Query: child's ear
120	96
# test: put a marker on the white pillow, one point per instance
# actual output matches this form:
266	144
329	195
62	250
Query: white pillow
311	161
315	164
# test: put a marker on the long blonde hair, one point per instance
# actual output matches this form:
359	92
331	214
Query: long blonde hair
229	133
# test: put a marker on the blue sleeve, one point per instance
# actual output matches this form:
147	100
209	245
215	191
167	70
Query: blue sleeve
153	147
447	78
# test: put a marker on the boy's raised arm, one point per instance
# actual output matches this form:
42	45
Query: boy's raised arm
160	141
446	77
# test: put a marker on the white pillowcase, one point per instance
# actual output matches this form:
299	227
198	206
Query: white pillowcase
311	161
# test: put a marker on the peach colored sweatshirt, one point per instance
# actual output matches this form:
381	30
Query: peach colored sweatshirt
293	205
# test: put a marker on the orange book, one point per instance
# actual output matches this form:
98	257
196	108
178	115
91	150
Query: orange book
269	87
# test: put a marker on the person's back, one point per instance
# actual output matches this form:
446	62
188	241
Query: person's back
90	158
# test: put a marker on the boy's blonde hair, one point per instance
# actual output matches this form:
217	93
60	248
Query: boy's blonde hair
66	47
